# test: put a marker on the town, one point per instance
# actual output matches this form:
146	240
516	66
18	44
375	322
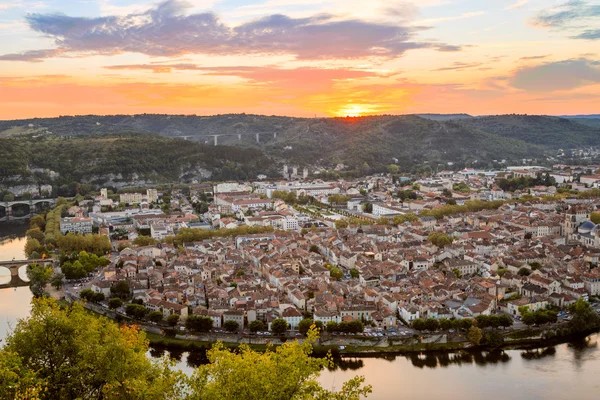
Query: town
378	254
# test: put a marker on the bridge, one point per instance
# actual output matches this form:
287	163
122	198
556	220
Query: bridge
15	266
33	207
216	136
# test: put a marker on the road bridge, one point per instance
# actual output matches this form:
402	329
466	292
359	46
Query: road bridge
15	266
215	137
7	208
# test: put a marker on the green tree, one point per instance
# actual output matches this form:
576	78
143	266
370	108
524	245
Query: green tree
199	323
286	372
142	240
494	339
354	273
115	303
419	324
120	289
393	169
341	224
332	326
37	222
57	280
584	318
231	326
474	335
32	246
304	325
524	271
39	276
279	326
153	316
595	217
172	319
74	354
432	324
256	326
439	239
36	233
445	324
136	311
87	294
336	273
505	320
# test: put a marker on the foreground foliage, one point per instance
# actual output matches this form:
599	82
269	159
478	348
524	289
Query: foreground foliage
68	353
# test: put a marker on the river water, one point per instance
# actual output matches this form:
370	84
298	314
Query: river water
560	372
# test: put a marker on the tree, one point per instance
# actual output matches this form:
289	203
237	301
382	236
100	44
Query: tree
98	297
336	273
199	323
279	326
256	326
432	324
584	318
32	246
393	169
288	371
445	324
332	326
115	303
120	289
136	311
494	339
528	318
354	273
474	335
39	276
439	239
74	354
419	324
304	325
142	240
172	319
341	224
505	320
153	316
37	222
231	326
595	217
57	280
35	233
524	271
87	294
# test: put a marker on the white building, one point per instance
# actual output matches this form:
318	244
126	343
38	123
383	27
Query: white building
75	225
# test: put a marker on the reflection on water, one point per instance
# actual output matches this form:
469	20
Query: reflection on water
538	354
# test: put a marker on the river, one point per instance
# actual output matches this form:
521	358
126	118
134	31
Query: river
569	370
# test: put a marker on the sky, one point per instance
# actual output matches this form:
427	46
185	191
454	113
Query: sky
299	57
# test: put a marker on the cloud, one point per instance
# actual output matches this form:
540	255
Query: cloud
557	76
443	19
31	56
533	57
297	79
459	66
590	34
516	5
566	13
167	30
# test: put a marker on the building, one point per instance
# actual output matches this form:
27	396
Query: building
104	193
131	198
75	225
152	195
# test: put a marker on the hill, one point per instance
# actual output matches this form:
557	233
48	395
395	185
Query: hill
96	148
444	117
121	159
551	132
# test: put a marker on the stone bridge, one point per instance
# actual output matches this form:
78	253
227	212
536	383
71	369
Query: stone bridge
15	265
33	207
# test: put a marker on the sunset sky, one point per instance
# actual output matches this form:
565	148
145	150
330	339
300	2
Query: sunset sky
299	57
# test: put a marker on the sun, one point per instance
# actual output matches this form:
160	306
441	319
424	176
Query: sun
355	110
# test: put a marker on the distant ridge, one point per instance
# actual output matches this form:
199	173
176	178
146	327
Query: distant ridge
444	117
